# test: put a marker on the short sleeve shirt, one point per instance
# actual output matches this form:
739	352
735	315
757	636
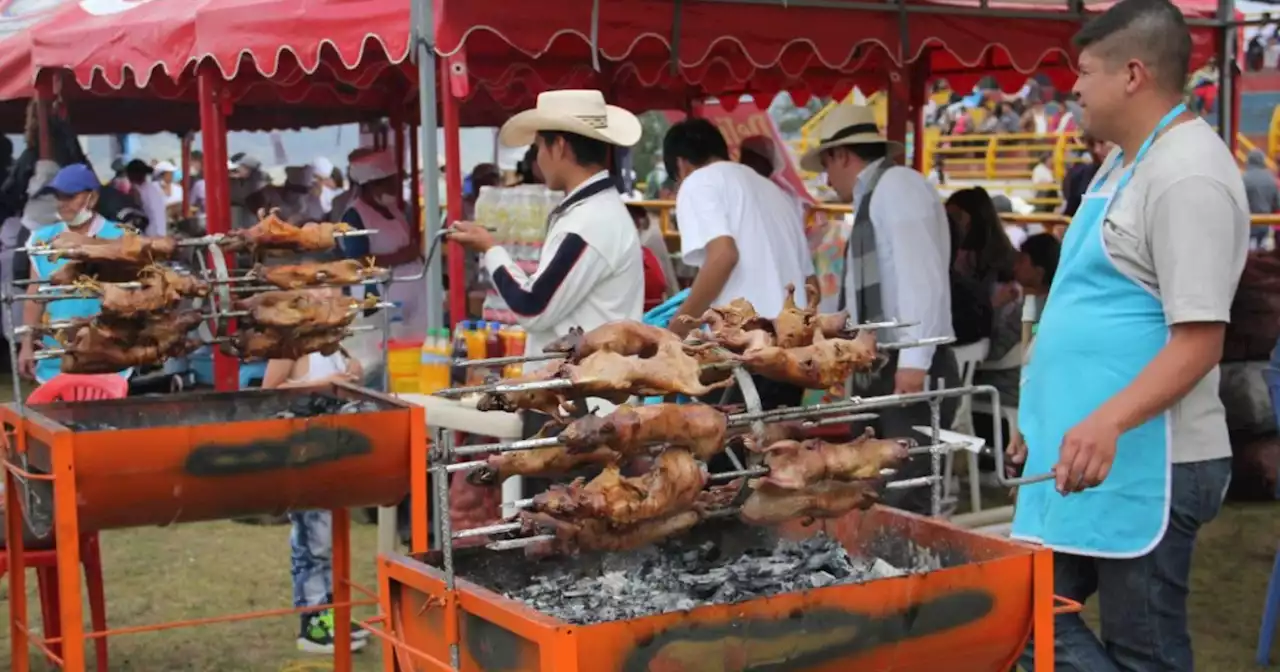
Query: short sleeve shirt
1180	229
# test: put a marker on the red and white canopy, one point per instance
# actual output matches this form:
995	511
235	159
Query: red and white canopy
340	58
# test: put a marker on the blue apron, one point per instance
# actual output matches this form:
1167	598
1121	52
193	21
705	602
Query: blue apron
1099	329
66	309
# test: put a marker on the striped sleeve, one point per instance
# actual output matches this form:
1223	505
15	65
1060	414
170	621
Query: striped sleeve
562	282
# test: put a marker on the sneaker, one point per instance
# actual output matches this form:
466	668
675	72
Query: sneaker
316	635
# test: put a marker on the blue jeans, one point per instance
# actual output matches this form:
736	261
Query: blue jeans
311	558
1142	601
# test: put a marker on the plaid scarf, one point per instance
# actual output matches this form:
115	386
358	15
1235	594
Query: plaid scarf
860	256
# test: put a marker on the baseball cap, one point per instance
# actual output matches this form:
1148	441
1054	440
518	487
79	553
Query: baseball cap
139	166
70	180
165	167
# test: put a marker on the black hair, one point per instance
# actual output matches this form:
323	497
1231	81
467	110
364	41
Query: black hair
985	237
1152	31
697	141
524	168
1043	249
587	152
869	152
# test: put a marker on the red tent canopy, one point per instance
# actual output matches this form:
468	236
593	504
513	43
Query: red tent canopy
341	60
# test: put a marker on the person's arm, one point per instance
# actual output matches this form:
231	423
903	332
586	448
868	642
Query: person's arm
277	374
906	208
1199	239
568	272
721	258
355	370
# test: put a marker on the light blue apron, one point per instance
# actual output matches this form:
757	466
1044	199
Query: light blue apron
1100	328
66	309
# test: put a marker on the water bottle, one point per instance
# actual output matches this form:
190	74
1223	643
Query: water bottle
458	374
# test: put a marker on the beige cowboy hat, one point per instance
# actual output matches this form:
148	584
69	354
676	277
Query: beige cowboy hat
845	125
578	111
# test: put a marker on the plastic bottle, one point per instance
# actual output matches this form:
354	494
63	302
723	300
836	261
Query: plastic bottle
476	349
458	374
427	364
443	351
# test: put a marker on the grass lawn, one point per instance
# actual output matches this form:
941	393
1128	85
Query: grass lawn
207	569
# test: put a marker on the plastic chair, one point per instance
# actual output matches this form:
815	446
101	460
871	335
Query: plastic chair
73	387
980	406
968	357
1270	617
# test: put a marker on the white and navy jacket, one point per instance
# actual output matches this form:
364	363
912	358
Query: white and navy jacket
591	270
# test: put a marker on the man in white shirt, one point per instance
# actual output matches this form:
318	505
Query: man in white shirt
591	270
149	195
745	235
897	267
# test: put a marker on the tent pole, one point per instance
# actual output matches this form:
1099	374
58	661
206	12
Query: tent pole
1227	74
217	183
425	50
453	185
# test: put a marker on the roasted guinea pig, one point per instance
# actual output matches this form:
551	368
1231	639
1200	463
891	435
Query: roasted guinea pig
631	429
769	505
128	250
825	365
539	462
794	327
162	289
573	536
298	276
670	371
107	347
623	337
671	485
284	344
301	311
794	465
273	233
553	402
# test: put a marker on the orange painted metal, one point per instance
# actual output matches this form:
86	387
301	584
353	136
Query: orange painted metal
973	615
142	475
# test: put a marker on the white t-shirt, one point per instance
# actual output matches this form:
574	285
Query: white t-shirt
730	199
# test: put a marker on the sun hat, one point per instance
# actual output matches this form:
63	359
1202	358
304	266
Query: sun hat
578	111
370	165
845	125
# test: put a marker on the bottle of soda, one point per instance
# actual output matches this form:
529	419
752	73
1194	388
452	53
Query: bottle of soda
458	374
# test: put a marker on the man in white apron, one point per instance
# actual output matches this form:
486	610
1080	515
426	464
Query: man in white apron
1120	394
396	245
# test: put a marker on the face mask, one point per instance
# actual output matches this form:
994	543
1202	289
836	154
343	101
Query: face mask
83	217
388	201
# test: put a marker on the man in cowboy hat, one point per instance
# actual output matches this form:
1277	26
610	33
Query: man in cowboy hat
590	271
896	265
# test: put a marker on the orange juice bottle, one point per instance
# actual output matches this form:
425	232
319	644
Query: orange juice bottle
476	349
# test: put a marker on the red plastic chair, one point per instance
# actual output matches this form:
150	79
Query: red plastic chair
73	387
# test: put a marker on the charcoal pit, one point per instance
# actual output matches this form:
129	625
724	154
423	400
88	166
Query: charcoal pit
699	570
167	411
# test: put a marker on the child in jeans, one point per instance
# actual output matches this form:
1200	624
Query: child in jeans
311	540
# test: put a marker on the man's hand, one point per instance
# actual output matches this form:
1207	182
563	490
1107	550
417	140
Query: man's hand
1016	456
1086	455
909	381
471	236
27	361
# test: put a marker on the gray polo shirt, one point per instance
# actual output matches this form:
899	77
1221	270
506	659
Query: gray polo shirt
1181	229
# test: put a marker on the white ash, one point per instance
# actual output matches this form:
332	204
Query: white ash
656	580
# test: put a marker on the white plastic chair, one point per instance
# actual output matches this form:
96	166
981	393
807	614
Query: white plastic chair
968	357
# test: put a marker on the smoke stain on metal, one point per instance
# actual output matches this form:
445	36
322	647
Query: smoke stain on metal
816	637
494	648
309	447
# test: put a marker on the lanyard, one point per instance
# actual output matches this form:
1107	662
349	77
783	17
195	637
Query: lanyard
598	187
1142	152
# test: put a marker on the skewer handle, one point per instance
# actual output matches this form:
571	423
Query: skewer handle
500	528
513	544
920	343
51	353
527	444
501	388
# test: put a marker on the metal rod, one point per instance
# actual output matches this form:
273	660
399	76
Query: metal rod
872	326
842	419
913	483
526	444
501	388
919	343
937	448
513	544
499	528
935	456
50	353
465	466
514	359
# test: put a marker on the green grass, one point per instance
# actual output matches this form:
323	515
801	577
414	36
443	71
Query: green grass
208	569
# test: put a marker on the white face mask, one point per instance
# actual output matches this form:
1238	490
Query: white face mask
83	217
388	201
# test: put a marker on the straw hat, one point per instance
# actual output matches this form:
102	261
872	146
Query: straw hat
581	112
845	125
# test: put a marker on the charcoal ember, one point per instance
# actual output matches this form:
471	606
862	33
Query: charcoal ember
316	404
90	426
679	577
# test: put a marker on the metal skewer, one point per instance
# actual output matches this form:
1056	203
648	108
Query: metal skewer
357	309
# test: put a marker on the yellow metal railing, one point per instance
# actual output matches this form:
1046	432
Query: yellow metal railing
670	232
999	156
